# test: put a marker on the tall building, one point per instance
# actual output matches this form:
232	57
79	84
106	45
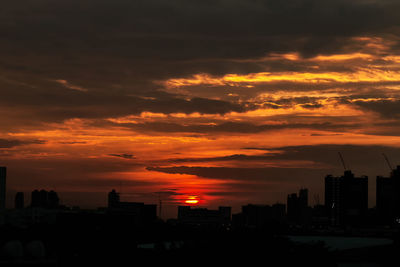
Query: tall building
35	198
19	200
388	197
53	201
260	216
346	198
303	197
292	209
45	199
136	213
297	207
113	199
202	216
3	174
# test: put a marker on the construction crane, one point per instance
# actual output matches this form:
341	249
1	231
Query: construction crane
388	162
342	160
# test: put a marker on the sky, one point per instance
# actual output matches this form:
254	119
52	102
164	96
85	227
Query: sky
228	102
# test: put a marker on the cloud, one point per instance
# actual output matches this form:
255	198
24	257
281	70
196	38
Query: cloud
58	106
75	173
230	127
385	107
246	175
363	159
72	142
125	156
236	157
110	52
288	65
71	86
9	143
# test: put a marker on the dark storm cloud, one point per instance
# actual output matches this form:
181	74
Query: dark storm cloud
9	143
224	158
228	173
54	105
112	50
231	127
358	156
157	26
325	154
362	159
75	173
385	107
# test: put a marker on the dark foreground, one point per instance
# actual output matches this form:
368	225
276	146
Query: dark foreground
91	243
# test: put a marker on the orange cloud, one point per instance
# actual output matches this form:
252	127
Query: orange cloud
360	75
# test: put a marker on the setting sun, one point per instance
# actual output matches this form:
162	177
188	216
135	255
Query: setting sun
192	200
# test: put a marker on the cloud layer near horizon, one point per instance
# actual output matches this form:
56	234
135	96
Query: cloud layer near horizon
183	86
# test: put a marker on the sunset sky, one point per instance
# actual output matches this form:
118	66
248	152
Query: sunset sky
227	102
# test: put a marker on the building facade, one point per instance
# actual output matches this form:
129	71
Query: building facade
298	211
203	216
388	197
346	199
3	174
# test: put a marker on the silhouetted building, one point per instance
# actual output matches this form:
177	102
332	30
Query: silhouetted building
3	174
259	216
278	212
303	197
346	199
388	197
292	204
53	201
45	199
113	199
297	207
19	200
319	216
136	213
35	198
202	216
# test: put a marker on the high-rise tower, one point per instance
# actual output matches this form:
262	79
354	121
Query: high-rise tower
346	198
3	173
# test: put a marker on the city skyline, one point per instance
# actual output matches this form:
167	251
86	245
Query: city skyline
239	101
347	188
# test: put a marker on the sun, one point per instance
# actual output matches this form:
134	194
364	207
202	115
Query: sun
192	200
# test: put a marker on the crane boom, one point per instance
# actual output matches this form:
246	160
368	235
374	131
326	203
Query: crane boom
387	161
342	160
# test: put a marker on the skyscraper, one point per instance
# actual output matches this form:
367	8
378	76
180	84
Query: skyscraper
53	201
113	199
19	200
3	173
45	199
297	207
388	197
346	198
